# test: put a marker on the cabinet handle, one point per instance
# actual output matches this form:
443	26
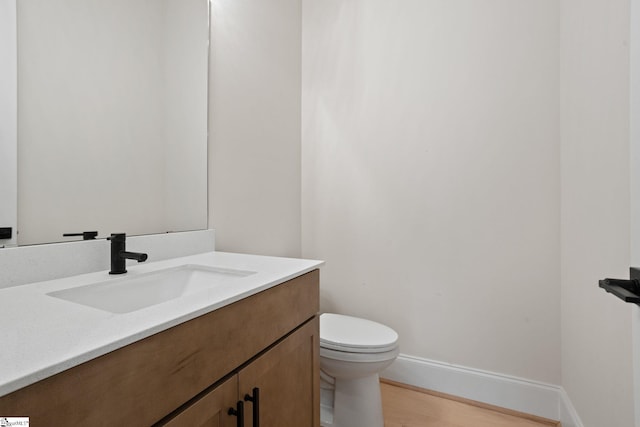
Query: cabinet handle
238	412
255	399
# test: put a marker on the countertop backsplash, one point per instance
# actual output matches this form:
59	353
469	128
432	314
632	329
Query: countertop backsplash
28	264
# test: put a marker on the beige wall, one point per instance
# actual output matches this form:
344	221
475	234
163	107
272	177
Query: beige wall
437	179
431	174
596	327
254	125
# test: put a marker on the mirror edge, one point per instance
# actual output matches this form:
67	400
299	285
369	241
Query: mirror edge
8	120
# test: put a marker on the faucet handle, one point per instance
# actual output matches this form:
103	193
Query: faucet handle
118	237
86	235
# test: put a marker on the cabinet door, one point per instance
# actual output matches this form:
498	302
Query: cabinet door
211	410
288	379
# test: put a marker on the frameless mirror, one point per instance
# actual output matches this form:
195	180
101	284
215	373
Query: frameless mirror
112	117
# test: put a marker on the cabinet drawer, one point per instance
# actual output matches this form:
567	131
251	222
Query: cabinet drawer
146	380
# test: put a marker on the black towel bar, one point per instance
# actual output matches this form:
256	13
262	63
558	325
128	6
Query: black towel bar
627	290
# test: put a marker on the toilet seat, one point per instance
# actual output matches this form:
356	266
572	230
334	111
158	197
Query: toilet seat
350	356
348	334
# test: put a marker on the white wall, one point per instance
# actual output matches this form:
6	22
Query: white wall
596	327
8	119
431	174
254	122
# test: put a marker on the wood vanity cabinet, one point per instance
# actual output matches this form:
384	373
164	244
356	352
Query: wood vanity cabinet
286	388
211	410
193	373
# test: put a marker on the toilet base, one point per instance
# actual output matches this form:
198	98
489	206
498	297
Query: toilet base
326	402
356	403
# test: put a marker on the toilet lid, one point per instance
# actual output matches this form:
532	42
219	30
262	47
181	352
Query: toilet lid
352	334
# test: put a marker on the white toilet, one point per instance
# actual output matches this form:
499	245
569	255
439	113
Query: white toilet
352	353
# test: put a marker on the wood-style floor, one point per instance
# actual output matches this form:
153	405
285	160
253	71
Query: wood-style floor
405	406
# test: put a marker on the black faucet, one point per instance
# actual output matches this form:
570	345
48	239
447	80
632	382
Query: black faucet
119	255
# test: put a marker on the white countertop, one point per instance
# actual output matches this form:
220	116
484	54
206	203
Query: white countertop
41	335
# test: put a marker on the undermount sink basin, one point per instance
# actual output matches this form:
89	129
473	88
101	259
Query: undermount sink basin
126	294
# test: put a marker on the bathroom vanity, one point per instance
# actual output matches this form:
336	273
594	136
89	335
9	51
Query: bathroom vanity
205	358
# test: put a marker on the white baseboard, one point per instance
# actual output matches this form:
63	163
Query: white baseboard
518	394
568	415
